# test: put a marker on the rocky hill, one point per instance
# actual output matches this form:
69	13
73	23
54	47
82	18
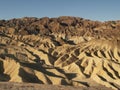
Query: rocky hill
60	51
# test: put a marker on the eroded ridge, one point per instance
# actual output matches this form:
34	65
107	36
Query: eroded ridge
96	59
75	52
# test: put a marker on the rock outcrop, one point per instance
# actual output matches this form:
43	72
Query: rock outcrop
60	51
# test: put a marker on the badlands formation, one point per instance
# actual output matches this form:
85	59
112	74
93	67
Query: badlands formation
69	51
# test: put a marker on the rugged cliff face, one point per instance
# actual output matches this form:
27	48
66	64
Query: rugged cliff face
62	51
70	26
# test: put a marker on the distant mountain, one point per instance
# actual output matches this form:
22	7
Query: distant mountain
72	26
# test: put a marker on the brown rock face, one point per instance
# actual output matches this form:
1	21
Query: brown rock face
61	51
53	26
67	21
73	26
